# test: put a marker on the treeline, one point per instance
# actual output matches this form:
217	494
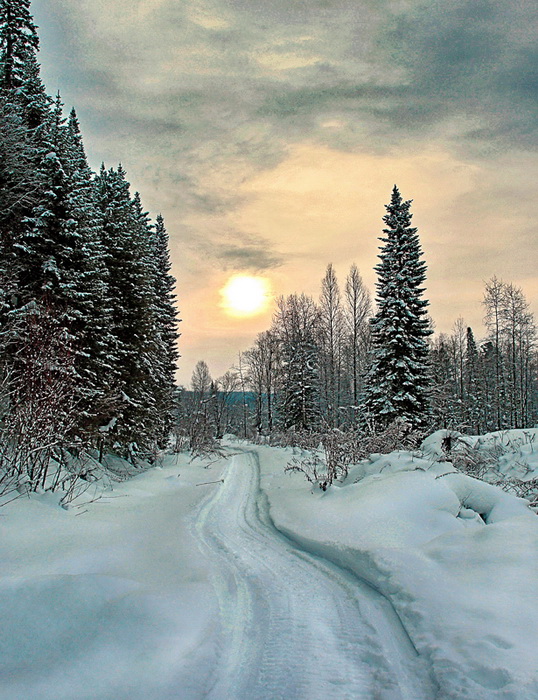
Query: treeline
88	326
335	364
491	385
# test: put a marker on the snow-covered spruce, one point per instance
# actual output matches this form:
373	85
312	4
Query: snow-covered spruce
86	295
397	381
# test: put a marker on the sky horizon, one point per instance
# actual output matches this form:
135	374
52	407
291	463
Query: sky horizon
270	133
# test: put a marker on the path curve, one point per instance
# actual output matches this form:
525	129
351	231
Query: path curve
294	626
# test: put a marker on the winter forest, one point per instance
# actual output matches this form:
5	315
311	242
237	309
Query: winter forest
346	366
88	321
348	512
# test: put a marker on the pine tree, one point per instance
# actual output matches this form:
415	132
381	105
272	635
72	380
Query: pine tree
445	409
397	382
473	401
24	121
60	261
78	255
161	320
131	298
90	324
167	329
141	297
18	40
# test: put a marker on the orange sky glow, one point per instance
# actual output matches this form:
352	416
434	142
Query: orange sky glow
269	134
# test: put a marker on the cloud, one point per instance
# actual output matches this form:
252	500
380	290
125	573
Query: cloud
463	58
233	249
250	258
200	72
251	123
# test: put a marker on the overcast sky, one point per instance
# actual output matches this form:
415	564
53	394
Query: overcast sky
269	134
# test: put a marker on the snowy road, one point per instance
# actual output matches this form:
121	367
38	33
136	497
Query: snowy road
292	625
166	589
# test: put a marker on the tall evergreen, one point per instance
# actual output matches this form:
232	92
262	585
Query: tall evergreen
445	409
80	260
18	40
167	328
300	396
155	318
398	379
133	274
473	400
91	321
24	120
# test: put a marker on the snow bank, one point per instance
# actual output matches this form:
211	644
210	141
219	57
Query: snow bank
512	452
111	599
457	558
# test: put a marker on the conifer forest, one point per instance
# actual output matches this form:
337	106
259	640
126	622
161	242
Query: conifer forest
88	317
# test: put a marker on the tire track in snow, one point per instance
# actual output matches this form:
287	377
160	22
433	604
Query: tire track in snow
294	626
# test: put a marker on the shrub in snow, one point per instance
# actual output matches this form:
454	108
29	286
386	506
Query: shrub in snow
331	454
329	462
507	459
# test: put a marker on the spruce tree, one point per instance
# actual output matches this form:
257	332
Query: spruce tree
125	274
445	409
91	317
60	263
78	255
130	253
24	119
166	331
151	322
473	400
300	369
397	382
18	39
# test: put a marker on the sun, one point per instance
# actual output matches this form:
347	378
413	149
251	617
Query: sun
245	295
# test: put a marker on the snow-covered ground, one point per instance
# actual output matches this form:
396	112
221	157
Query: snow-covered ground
109	600
406	581
457	558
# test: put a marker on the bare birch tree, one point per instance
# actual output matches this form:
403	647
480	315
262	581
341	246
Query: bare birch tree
358	309
331	344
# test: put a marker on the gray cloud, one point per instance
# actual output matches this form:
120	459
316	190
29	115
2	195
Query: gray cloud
198	74
198	97
446	51
252	258
236	251
474	59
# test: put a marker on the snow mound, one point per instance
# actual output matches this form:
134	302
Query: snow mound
510	452
110	598
457	557
488	501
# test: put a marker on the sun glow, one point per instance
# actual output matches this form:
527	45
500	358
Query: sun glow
245	295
